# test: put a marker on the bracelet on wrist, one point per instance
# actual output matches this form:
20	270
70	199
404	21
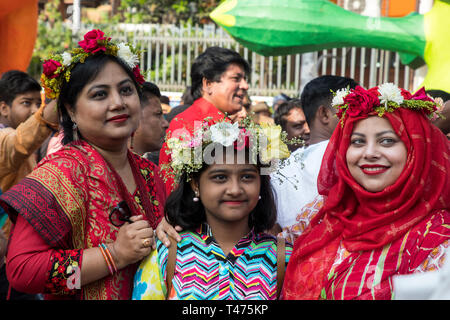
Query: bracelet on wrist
108	258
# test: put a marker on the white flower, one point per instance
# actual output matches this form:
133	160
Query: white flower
338	99
126	55
67	58
390	92
225	133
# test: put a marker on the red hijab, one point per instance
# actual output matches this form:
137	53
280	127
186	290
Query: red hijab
364	220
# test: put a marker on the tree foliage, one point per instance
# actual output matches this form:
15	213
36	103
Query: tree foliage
166	11
53	36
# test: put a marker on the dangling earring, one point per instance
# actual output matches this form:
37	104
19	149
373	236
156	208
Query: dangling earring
75	131
196	198
259	198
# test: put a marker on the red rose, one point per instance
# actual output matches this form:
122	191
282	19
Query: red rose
138	76
406	95
50	66
94	41
360	101
374	91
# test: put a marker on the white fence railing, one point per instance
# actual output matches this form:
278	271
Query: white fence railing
169	51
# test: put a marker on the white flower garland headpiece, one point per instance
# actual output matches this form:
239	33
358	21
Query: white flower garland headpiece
190	153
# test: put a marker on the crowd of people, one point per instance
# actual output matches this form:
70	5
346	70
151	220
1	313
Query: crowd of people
107	192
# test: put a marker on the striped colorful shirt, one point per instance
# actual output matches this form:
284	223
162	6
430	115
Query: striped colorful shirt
203	272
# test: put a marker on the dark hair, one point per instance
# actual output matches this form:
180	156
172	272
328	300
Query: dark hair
317	92
80	76
211	64
149	91
180	208
444	95
164	99
187	97
283	110
15	82
151	88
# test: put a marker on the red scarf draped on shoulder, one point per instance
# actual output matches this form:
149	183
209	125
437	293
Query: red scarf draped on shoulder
363	220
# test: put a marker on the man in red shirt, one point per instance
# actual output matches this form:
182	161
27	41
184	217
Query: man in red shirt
219	86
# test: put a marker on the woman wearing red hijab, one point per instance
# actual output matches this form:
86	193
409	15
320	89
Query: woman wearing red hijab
385	180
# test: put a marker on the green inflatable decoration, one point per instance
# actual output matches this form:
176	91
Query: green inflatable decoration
280	27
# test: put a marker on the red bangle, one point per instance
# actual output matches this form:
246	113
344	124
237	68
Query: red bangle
108	253
107	260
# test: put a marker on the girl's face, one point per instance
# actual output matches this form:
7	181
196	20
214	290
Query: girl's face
229	192
376	155
107	109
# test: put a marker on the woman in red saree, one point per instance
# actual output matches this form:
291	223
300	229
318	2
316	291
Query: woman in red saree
363	236
85	216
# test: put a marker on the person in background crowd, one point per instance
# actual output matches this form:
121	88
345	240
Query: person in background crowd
165	104
25	123
84	217
296	183
219	86
443	123
384	178
149	136
279	99
186	102
291	118
261	113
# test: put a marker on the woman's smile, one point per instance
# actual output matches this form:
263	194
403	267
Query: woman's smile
119	118
373	169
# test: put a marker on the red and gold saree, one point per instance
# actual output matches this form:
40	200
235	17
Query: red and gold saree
64	205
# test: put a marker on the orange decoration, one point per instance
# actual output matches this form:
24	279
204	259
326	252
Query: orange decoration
18	32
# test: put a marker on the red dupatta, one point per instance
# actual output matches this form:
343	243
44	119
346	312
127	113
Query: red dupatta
362	220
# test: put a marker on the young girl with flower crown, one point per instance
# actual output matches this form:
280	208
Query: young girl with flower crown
224	202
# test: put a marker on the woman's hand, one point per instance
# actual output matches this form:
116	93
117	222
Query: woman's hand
164	228
134	242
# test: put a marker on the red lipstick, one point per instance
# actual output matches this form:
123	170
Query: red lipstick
119	118
373	169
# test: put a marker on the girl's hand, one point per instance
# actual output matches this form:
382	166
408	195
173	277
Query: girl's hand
134	242
164	228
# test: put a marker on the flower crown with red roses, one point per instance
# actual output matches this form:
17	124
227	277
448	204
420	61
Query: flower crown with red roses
58	67
381	99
